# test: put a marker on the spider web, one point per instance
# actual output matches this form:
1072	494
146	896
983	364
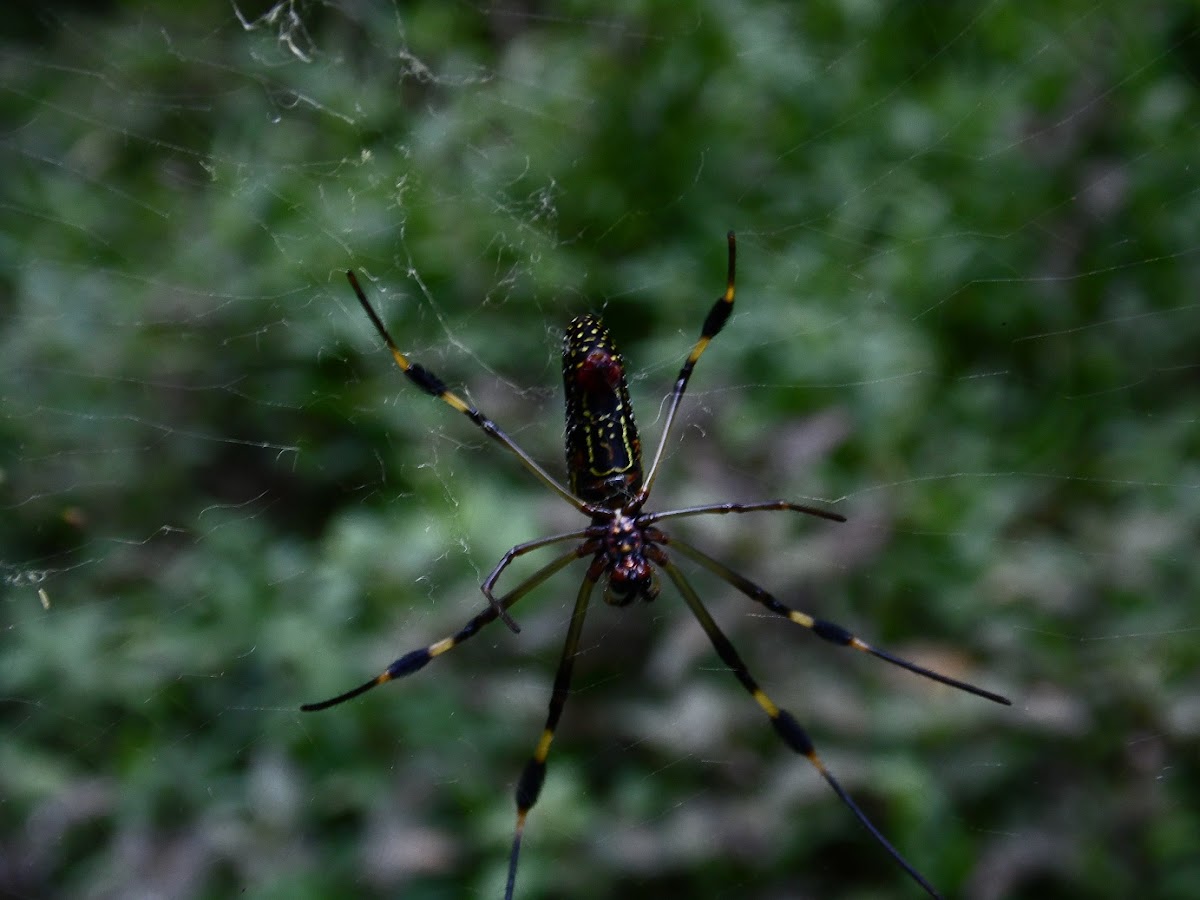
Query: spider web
966	319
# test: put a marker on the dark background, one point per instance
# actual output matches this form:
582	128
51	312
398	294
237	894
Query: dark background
967	319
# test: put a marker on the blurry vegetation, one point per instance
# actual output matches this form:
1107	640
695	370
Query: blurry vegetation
967	316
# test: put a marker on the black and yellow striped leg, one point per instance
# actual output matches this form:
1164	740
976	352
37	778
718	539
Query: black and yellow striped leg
828	631
521	550
534	774
717	316
417	659
724	508
435	387
784	723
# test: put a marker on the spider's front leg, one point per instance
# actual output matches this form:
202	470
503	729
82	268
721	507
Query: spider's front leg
534	774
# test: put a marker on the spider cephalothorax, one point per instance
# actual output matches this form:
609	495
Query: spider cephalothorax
607	485
625	551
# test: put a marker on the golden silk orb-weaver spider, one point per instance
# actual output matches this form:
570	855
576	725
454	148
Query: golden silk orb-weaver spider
608	486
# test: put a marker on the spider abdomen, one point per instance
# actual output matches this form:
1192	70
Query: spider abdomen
604	451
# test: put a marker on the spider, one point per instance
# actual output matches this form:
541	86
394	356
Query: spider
607	484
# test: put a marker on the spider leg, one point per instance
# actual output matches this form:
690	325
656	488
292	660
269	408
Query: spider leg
784	723
828	631
435	387
417	659
530	784
506	560
717	316
723	508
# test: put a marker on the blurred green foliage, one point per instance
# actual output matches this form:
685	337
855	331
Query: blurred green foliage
966	317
